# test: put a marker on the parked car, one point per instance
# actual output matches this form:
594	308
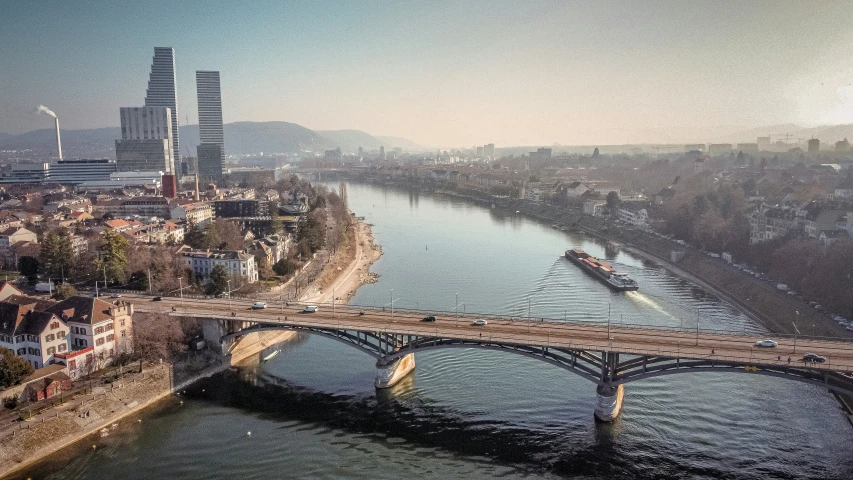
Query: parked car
813	358
310	309
479	322
765	344
156	299
259	305
115	295
430	318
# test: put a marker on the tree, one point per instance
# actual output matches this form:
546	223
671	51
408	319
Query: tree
276	224
114	256
29	267
138	281
195	237
57	255
284	267
218	282
66	290
226	235
613	201
13	368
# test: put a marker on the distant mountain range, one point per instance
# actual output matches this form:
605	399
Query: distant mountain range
241	138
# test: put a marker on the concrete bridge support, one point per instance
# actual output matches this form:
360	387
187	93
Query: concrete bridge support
213	330
391	372
609	402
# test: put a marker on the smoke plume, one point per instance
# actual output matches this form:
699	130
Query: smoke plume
43	109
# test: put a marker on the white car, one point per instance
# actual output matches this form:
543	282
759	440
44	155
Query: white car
259	305
310	309
479	322
765	344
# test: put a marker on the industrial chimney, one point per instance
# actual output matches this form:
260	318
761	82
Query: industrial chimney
58	142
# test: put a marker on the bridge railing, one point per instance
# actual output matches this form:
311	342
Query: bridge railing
487	336
591	321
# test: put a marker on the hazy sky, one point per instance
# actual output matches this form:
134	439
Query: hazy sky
442	73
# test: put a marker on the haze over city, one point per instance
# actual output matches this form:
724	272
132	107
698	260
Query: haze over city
444	73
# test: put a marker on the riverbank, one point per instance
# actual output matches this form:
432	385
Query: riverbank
95	415
343	276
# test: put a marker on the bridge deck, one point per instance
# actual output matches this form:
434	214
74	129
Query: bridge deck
571	335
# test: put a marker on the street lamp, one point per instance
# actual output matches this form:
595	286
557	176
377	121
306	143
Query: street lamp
180	287
796	329
229	294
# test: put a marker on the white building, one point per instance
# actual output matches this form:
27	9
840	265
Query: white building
237	264
637	218
198	213
594	207
34	336
106	326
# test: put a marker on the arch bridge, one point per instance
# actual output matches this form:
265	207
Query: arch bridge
609	356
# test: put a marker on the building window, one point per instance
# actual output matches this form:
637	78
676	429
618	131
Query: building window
111	337
109	326
72	365
54	325
122	322
123	335
22	352
60	335
62	347
49	338
51	351
99	330
99	342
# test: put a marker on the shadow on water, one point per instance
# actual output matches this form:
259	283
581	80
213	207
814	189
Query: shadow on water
399	412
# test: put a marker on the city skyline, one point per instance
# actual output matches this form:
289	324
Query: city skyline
518	75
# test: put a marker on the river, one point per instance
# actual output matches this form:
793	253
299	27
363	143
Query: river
313	413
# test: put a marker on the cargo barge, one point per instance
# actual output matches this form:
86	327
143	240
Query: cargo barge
602	271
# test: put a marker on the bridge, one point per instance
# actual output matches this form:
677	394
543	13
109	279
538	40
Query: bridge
608	355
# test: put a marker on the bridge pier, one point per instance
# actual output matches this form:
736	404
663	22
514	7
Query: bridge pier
609	402
389	373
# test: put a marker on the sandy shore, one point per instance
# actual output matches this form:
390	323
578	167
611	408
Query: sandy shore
354	275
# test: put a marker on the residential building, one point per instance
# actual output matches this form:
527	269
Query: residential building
819	218
241	208
35	336
79	244
719	149
828	237
814	146
7	290
106	326
197	213
163	92
147	207
236	263
575	189
10	240
767	224
594	207
637	217
333	156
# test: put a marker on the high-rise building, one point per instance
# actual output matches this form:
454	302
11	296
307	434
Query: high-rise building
146	140
381	152
479	152
163	92
210	128
489	150
209	108
210	162
814	145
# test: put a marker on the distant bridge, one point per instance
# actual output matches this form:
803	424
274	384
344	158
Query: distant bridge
608	355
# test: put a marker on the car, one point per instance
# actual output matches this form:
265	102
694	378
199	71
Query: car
765	344
480	322
813	304
156	299
115	295
813	358
430	318
259	305
310	309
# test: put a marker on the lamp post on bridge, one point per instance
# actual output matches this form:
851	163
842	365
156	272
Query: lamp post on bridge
181	288
229	294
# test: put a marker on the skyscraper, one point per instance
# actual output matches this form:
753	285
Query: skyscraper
210	123
162	92
146	140
489	150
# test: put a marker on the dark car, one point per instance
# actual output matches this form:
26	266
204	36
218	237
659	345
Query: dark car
813	358
156	299
430	318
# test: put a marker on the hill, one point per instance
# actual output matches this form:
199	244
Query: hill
240	138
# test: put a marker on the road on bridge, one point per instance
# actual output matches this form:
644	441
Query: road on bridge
620	338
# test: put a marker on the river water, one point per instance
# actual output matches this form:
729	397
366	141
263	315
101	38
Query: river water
313	413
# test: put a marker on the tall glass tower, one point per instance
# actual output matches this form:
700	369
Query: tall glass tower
210	123
163	92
